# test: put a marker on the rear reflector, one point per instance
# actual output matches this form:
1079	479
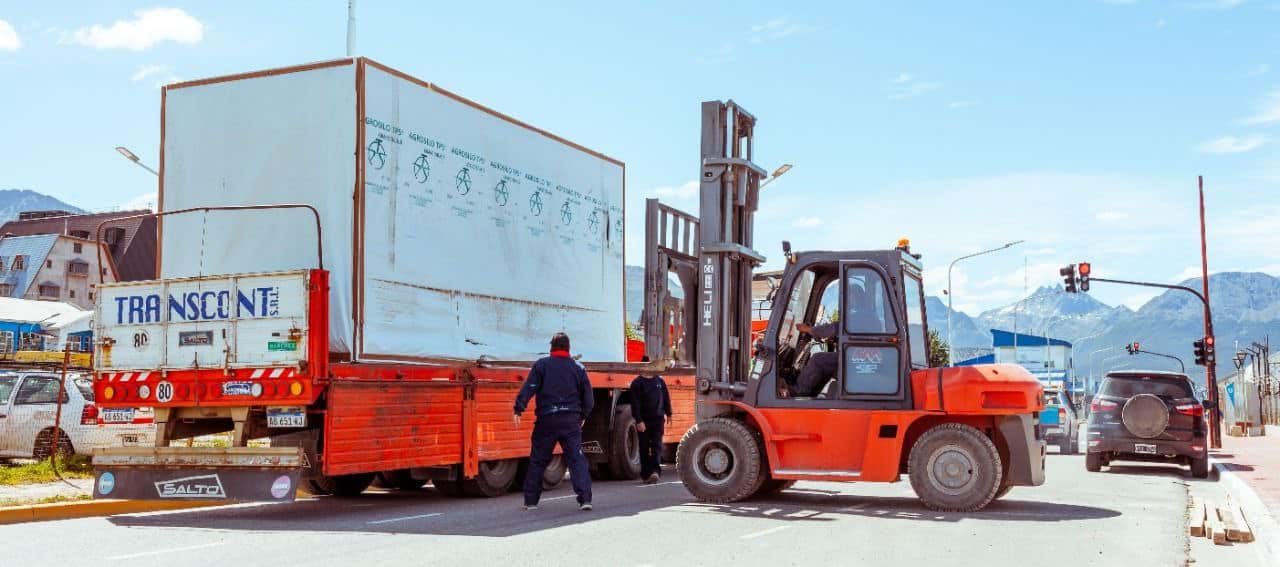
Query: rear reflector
89	415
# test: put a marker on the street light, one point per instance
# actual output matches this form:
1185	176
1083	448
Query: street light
776	174
134	158
950	346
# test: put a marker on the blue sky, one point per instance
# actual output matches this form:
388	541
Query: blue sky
1078	126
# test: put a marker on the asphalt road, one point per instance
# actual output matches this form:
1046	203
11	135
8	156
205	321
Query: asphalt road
1134	515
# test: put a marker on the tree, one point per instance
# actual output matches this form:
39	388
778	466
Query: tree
939	352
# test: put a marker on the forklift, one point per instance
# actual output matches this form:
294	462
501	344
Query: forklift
963	435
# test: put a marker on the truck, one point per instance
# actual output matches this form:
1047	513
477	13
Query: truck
337	412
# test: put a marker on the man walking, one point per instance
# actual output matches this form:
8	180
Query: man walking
651	408
564	402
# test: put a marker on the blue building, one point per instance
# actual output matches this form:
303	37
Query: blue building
1047	358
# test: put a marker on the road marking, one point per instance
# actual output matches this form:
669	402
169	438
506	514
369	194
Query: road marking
764	532
657	484
419	516
559	498
160	551
854	508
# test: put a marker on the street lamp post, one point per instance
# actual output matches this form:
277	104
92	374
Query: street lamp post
135	159
1103	349
776	174
950	294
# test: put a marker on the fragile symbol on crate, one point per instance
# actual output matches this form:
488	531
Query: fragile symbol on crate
500	193
463	181
377	155
535	203
421	168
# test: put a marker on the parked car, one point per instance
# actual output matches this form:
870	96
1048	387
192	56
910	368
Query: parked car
28	408
1059	423
1147	415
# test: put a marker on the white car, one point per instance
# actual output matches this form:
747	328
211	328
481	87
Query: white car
28	407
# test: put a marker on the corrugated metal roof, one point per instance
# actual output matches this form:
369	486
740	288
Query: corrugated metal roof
34	250
134	255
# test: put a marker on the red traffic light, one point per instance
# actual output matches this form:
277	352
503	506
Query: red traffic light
1083	268
1137	346
1208	341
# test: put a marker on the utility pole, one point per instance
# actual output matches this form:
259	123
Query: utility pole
351	28
1211	368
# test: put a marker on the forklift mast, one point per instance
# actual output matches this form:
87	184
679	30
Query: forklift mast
729	197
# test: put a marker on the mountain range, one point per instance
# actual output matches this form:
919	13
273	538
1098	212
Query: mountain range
14	201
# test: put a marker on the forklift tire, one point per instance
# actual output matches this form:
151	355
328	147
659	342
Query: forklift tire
624	446
719	461
494	479
550	479
955	468
342	485
1093	462
1004	489
399	479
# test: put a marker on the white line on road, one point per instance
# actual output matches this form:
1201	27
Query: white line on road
160	551
657	484
389	520
558	498
764	532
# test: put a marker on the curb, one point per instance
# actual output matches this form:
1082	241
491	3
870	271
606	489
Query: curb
1266	528
89	508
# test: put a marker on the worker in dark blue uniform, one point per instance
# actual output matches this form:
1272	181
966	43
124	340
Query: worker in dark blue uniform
822	366
651	408
564	402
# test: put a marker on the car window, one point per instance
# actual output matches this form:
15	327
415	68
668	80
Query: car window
7	382
1130	386
85	386
37	390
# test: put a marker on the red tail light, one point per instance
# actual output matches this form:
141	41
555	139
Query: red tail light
1062	415
1102	405
1194	410
89	415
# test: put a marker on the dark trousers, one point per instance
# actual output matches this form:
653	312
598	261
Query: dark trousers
822	367
564	428
651	448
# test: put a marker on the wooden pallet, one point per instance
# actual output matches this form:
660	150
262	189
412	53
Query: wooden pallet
1222	524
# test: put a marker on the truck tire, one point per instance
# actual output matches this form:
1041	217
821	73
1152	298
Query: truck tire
399	479
624	446
342	485
719	461
494	480
550	479
1200	467
955	468
44	445
1093	462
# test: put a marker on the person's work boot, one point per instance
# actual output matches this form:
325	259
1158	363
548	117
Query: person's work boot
652	479
585	506
530	507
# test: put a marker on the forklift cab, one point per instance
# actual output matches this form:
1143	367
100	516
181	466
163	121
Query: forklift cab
873	300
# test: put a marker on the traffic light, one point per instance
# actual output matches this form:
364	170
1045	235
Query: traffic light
1198	346
1210	352
1133	348
1069	277
1085	268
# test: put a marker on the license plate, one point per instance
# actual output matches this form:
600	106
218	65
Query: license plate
286	417
117	415
1144	448
128	440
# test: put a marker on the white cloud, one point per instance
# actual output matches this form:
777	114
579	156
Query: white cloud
148	200
902	78
1186	274
1259	70
807	222
148	28
1112	216
145	71
962	104
775	29
686	191
9	40
1268	111
906	86
1231	145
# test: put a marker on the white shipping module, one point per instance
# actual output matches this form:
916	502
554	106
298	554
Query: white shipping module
451	231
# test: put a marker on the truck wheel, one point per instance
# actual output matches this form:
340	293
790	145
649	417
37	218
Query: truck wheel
399	479
1093	462
494	479
342	485
550	479
1004	489
43	448
955	468
1200	467
624	447
719	461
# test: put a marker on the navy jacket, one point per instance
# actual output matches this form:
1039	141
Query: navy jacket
649	399
560	384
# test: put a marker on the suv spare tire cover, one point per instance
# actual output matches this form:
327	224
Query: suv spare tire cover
1145	416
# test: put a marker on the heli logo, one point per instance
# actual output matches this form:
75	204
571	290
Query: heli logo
203	486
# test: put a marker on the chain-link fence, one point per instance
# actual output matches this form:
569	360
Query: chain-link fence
1250	397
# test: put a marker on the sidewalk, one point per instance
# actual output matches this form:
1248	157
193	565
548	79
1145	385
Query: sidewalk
13	495
1249	467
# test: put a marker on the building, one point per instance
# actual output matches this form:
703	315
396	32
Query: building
1048	359
131	243
53	267
31	325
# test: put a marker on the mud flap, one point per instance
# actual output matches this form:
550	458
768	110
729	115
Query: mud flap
246	474
1026	453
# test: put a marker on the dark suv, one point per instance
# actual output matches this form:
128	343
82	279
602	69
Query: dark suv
1152	416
